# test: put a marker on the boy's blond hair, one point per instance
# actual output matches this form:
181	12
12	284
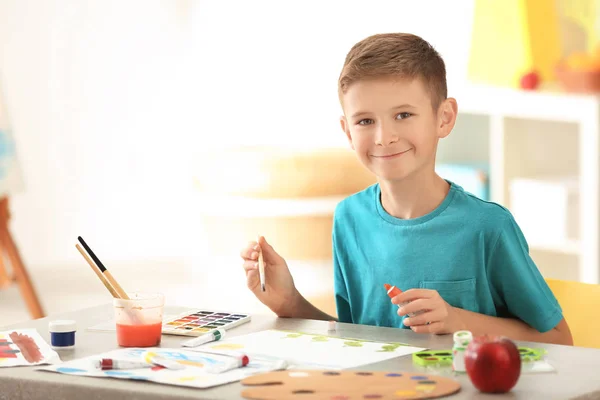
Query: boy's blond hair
400	55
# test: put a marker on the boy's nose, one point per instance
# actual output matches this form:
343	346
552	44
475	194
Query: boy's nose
385	136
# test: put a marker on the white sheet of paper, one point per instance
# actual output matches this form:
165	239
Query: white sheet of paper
310	351
25	347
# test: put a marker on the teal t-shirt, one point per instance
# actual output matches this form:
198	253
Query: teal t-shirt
469	250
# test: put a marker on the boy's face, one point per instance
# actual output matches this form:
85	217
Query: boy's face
392	126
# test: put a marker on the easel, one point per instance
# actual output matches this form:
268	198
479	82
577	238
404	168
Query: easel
10	253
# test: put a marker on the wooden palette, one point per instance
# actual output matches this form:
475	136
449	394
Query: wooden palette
346	385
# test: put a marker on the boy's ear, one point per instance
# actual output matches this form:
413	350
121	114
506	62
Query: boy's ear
447	117
346	129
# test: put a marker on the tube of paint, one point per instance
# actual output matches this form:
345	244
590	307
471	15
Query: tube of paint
110	363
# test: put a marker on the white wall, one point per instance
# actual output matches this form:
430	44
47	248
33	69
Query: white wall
114	101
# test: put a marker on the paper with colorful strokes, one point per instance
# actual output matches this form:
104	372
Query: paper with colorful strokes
25	347
311	351
195	373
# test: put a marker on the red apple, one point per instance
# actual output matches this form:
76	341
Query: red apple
530	81
493	363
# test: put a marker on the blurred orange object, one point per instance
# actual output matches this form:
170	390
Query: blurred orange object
578	80
584	62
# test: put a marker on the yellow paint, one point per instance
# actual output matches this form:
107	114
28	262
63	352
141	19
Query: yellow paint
190	378
405	393
148	357
513	38
425	388
191	363
228	346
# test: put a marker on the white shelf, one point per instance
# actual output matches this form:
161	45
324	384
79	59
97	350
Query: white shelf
548	105
533	133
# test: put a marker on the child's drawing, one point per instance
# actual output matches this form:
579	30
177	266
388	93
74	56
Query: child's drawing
303	350
22	347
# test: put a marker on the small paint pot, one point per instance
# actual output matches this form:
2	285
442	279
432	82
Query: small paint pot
62	333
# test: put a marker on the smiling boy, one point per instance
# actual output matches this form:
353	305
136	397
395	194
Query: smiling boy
462	262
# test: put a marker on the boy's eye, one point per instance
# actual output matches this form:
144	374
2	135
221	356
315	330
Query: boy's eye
403	115
366	121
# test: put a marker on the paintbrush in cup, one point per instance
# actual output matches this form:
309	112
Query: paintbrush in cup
105	272
106	277
98	273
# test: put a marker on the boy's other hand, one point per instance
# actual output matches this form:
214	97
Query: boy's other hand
280	291
436	315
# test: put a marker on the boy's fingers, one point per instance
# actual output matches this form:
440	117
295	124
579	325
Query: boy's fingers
431	328
413	294
247	251
250	265
428	317
267	249
414	306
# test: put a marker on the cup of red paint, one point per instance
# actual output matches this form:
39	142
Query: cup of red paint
139	319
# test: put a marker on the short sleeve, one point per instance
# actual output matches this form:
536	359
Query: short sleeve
518	287
340	288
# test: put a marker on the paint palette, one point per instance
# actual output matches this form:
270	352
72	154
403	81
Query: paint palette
444	357
197	323
346	385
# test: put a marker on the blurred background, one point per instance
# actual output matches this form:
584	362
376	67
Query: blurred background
168	134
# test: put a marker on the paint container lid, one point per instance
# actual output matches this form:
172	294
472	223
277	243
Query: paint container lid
62	325
462	338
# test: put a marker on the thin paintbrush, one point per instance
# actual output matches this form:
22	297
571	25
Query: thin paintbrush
97	271
261	267
104	271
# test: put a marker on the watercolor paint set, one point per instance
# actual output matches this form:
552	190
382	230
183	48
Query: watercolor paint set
200	322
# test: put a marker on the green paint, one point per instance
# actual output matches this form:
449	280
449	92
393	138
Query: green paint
388	348
353	344
293	335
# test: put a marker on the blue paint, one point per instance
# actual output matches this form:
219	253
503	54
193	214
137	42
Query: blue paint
62	339
67	370
419	378
62	333
118	373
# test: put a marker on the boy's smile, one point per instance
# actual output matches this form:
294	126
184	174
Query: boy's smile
390	155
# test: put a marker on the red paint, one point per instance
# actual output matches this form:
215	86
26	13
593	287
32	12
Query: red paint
493	363
139	335
393	292
5	350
